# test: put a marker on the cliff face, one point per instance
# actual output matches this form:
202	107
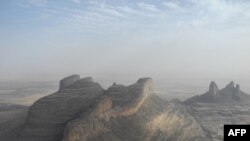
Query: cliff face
82	111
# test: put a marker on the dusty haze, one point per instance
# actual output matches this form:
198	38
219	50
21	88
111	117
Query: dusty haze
41	40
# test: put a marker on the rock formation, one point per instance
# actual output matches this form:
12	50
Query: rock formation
82	111
237	89
231	94
48	116
213	89
216	108
230	86
64	83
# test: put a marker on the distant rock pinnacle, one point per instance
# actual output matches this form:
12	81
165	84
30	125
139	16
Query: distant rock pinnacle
237	89
213	88
230	85
231	94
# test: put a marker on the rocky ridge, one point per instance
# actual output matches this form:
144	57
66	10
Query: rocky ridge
81	110
231	94
133	113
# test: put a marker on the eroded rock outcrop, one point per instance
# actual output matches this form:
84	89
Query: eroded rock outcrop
64	83
230	86
48	116
117	101
134	113
229	106
82	111
213	88
231	94
156	120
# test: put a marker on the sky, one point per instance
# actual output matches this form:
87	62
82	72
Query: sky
42	39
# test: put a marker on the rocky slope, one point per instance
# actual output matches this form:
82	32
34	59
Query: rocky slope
133	113
82	110
212	117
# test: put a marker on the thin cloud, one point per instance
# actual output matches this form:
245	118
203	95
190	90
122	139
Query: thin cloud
37	2
173	6
148	7
199	14
111	12
223	9
128	10
196	14
76	1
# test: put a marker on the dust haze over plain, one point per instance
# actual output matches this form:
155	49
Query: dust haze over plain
167	40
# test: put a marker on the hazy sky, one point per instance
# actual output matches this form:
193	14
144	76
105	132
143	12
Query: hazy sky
170	38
